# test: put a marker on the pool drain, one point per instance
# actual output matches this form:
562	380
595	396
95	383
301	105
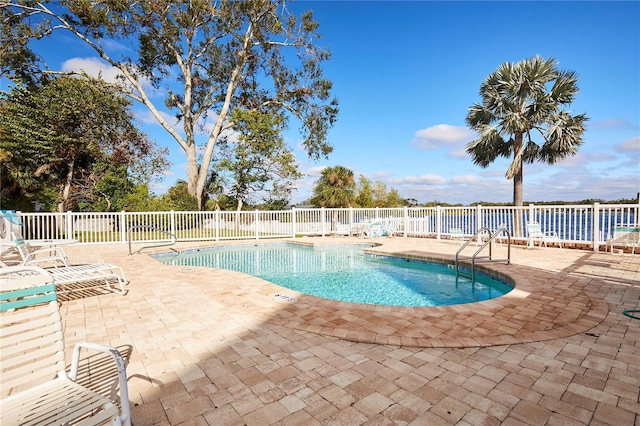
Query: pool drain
285	297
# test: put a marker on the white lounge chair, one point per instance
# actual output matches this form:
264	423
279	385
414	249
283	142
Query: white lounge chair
342	229
625	236
375	229
456	234
66	274
36	388
51	256
112	276
535	233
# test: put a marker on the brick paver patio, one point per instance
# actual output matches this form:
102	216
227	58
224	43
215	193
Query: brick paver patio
214	347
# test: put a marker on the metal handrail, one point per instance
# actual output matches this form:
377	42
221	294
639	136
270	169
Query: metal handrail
174	239
490	258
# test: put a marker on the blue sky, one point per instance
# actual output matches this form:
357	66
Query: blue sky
405	74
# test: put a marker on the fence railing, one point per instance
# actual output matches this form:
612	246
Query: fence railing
589	225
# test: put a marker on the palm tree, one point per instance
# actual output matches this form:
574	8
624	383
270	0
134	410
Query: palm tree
335	188
521	101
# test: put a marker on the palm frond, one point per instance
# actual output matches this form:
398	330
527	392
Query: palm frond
563	138
489	146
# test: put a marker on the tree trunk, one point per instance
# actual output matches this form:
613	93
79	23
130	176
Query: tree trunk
517	176
193	174
517	187
66	189
238	215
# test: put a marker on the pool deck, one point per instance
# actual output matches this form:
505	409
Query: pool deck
215	347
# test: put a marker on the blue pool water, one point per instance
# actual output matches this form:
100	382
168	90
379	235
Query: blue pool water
346	273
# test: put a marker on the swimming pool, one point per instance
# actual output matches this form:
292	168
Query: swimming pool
346	273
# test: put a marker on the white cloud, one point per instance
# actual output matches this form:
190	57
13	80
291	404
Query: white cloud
381	175
114	46
492	173
99	68
630	145
420	180
465	179
612	123
442	135
459	153
315	171
94	67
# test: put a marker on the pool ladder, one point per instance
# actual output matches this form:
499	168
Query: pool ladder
151	228
501	231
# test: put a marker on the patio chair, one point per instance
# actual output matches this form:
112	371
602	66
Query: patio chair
65	277
66	274
390	227
376	230
36	389
625	236
456	234
52	256
535	233
342	229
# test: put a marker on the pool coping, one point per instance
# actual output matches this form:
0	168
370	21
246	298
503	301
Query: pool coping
542	306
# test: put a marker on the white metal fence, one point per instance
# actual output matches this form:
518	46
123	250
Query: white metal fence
580	224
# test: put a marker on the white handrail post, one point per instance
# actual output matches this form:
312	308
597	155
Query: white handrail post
596	227
438	221
479	221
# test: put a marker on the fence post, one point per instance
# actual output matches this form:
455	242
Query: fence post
69	225
350	217
438	221
293	221
595	217
123	227
405	221
172	216
322	226
479	221
217	226
256	224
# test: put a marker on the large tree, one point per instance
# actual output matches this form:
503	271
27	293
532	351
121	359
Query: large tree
377	194
76	138
207	58
335	188
521	117
259	161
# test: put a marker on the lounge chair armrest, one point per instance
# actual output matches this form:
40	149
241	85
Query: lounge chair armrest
122	372
58	254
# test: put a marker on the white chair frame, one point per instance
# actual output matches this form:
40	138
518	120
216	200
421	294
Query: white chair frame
36	389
